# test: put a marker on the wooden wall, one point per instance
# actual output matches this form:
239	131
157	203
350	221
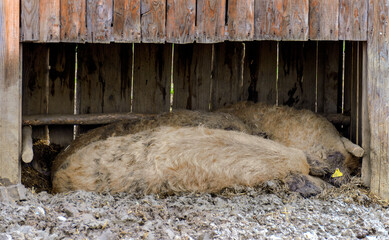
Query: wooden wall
187	21
10	99
378	95
140	78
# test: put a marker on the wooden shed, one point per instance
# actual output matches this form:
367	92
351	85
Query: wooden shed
82	62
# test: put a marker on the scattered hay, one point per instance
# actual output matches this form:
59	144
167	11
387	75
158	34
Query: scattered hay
354	191
36	175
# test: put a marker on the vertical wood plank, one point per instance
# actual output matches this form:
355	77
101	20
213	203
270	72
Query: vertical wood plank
240	26
35	69
295	20
378	95
10	99
348	79
49	20
180	23
323	20
192	76
105	78
366	162
353	20
153	14
152	76
30	20
281	19
297	74
210	26
73	25
328	77
268	17
126	21
99	20
61	90
228	86
260	70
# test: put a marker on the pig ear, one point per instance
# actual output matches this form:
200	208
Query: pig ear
352	148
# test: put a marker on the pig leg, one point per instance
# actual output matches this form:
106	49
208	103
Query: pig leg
306	185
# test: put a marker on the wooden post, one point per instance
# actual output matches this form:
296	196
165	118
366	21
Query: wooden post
378	95
10	98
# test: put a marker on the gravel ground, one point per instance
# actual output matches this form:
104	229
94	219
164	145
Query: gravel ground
258	213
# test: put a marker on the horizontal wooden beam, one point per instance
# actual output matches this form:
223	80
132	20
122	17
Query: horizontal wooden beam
80	119
104	118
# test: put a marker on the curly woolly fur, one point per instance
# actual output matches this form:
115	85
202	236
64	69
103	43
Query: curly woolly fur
325	148
177	159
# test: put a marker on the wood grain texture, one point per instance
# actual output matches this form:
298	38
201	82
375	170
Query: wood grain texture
378	95
297	74
295	20
268	16
61	90
10	89
105	77
192	76
73	25
153	15
126	21
323	20
99	20
228	84
30	20
35	87
281	19
260	70
240	25
328	77
210	26
180	23
49	20
353	20
366	162
152	76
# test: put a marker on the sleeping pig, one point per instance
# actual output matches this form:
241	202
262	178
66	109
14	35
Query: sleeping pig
325	148
166	159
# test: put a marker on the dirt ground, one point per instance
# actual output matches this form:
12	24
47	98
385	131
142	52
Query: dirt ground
268	211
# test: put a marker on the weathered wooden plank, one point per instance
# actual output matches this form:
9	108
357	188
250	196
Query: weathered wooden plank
35	76
378	95
281	19
366	162
240	26
30	20
73	25
152	77
328	77
105	78
10	99
323	20
295	20
355	80
353	20
192	76
210	21
297	74
153	15
180	23
268	16
260	71
99	20
228	85
348	78
49	20
61	90
126	21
